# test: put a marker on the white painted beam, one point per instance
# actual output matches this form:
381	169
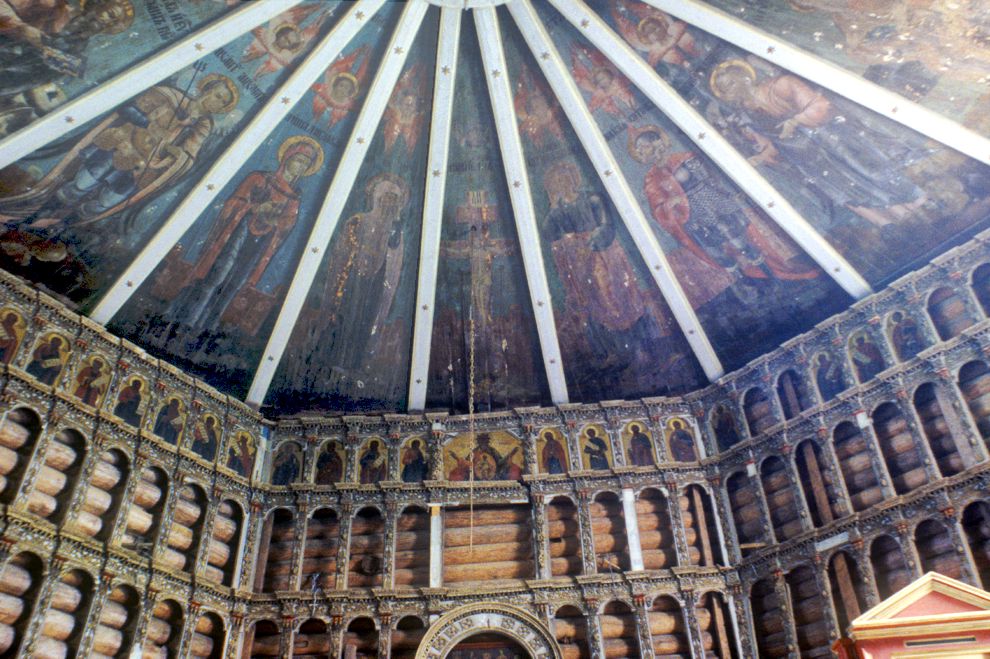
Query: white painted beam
226	166
136	79
340	188
830	76
711	142
514	163
436	185
614	182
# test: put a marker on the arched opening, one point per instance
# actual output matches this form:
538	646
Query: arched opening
287	464
488	543
859	473
937	431
723	424
412	548
361	639
848	590
937	550
65	620
816	484
608	524
758	411
746	515
716	622
948	312
320	550
221	560
700	527
18	433
186	530
564	538
620	638
114	634
890	566
207	637
769	622
406	637
976	524
365	567
981	286
105	495
264	642
57	477
275	563
809	608
20	582
667	631
906	335
143	518
312	640
656	536
792	393
900	451
164	633
781	502
570	629
974	383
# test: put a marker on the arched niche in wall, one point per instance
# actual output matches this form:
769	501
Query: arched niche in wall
263	640
207	637
715	622
769	620
361	638
164	632
412	548
656	533
976	525
321	547
781	499
808	608
948	311
700	527
186	529
856	462
470	620
274	571
608	524
144	516
849	592
899	448
365	567
744	501
817	484
668	633
58	476
890	566
312	640
937	550
620	633
974	383
18	435
980	282
792	393
564	538
64	622
406	637
221	560
104	496
936	428
758	410
570	629
113	635
20	583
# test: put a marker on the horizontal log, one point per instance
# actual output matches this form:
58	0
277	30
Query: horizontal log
501	533
620	648
13	435
860	480
788	530
218	554
147	492
105	475
216	575
187	513
412	576
159	631
570	546
59	455
114	615
563	528
658	559
910	480
570	566
903	462
224	528
107	641
11	608
58	624
96	501
46	647
15	580
8	460
489	571
488	553
355	580
139	521
411	559
42	505
50	481
610	543
7	637
866	498
173	559
200	645
459	518
896	443
775	480
180	537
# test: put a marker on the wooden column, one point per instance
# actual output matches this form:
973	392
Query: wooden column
756	482
832	467
141	629
20	502
388	550
539	520
203	550
300	522
659	441
886	482
101	591
723	507
137	466
673	497
94	450
643	627
436	545
168	514
743	633
632	529
804	513
786	611
906	539
954	525
256	551
236	636
288	629
344	548
385	635
189	617
587	534
51	575
594	629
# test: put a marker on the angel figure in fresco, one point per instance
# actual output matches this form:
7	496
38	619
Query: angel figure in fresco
664	39
341	86
789	125
414	466
92	381
170	421
905	335
246	235
206	437
609	89
329	466
48	359
12	330
138	150
553	457
281	40
129	400
240	454
718	227
372	464
405	111
538	117
640	448
596	450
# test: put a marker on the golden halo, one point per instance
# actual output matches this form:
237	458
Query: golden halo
646	21
119	27
395	180
725	66
636	131
348	76
562	168
291	26
235	93
296	139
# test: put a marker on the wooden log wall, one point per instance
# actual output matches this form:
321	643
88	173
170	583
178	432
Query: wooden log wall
18	433
769	619
570	629
758	410
412	548
808	607
164	633
264	641
900	451
746	515
114	631
63	622
936	429
817	484
57	476
207	638
145	514
948	312
608	524
700	527
890	566
714	618
564	538
366	566
974	383
103	498
20	582
406	637
976	526
668	631
186	528
656	533
490	543
320	550
278	568
361	640
620	636
937	549
856	462
312	640
849	594
781	499
221	560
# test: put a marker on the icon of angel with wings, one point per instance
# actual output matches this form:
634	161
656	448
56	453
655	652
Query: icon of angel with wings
537	115
653	32
404	114
609	89
279	42
341	86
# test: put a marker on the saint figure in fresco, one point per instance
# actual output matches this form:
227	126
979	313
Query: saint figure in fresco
640	448
596	450
681	443
724	426
405	112
666	42
48	359
828	376
490	464
866	356
240	454
789	125
329	466
11	332
285	469
338	93
414	467
553	456
138	150
906	336
372	464
609	89
169	422
92	381
206	437
129	399
279	42
246	235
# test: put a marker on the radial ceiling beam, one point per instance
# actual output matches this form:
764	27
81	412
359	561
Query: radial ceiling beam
340	188
614	181
514	163
226	166
711	142
830	76
436	184
136	79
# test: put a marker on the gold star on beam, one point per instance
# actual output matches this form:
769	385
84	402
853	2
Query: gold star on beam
516	184
198	47
399	50
285	100
211	187
771	50
544	55
70	120
496	73
315	250
436	172
445	69
585	22
359	15
360	140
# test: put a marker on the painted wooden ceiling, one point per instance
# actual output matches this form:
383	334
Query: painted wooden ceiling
369	206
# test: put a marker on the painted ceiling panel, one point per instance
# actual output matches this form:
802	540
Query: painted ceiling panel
350	347
934	53
616	332
211	303
481	274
